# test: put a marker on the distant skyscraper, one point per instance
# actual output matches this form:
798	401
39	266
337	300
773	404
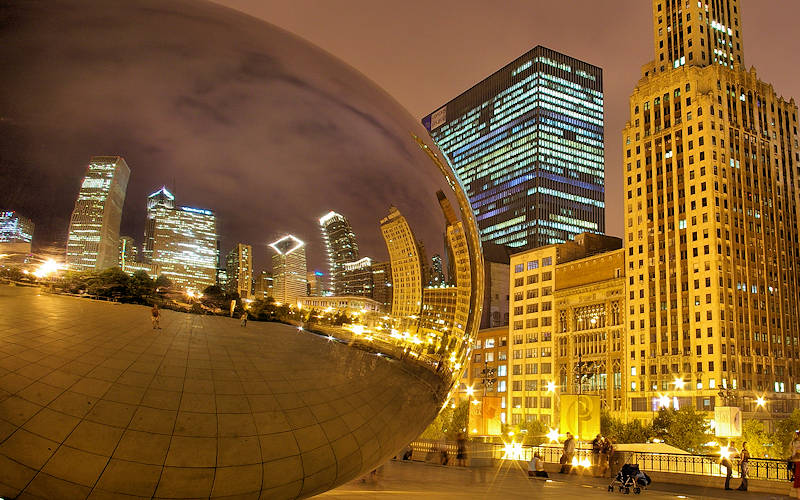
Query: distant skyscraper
93	240
16	232
406	268
437	273
357	278
382	284
263	286
289	269
314	283
240	270
340	246
185	246
127	252
527	143
160	199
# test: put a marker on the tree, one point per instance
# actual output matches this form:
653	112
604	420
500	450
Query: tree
784	432
759	442
686	428
534	432
633	431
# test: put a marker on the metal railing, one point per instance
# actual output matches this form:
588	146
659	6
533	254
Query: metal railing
702	465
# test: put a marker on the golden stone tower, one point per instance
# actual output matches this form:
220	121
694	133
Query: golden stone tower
711	224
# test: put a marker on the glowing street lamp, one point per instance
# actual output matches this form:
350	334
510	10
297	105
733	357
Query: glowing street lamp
663	401
470	391
551	386
679	384
761	402
552	435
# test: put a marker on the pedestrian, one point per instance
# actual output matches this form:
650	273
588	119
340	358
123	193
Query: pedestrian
568	454
794	450
597	444
155	316
606	450
243	319
461	450
408	452
726	462
536	466
744	466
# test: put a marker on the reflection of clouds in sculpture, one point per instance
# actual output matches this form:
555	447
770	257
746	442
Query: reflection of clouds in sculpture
249	121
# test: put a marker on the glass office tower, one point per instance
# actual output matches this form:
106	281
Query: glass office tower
527	144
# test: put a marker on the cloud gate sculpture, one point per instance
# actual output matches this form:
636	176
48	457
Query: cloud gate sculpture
263	173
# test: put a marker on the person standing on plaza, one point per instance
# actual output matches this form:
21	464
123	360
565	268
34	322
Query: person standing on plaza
243	319
597	445
726	462
155	315
461	450
744	466
569	453
606	451
794	450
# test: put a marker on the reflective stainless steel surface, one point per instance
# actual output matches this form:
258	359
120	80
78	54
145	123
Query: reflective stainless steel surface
273	135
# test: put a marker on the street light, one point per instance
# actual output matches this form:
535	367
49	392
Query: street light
761	402
551	386
679	384
663	401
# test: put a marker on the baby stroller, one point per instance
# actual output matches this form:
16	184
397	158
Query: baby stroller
630	478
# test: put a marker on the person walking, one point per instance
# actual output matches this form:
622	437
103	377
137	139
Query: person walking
155	316
597	445
243	319
794	450
569	453
744	466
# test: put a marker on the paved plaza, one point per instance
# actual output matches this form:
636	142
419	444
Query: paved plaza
427	481
95	403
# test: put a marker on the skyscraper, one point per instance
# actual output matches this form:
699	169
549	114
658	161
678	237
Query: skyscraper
382	284
127	252
357	278
340	246
240	270
93	240
711	239
263	286
406	268
160	199
16	233
288	269
437	273
185	246
527	144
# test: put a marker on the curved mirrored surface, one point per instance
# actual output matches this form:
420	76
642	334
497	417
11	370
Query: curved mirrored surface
231	264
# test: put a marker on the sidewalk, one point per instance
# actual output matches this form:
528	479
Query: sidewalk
422	480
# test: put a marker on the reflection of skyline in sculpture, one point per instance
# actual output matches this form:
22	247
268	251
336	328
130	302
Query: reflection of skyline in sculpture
93	241
288	269
406	269
185	246
340	248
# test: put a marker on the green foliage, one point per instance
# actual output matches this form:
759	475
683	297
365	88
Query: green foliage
448	423
686	428
784	432
633	431
111	284
759	442
533	432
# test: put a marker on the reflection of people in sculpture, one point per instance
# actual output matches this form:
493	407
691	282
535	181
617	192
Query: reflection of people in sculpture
461	450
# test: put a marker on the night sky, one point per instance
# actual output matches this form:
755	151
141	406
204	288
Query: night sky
191	102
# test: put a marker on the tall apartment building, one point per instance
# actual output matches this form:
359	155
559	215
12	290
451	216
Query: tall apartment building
355	278
160	199
711	185
340	246
314	283
486	375
16	233
406	269
93	240
288	269
239	270
185	246
527	144
263	286
565	299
